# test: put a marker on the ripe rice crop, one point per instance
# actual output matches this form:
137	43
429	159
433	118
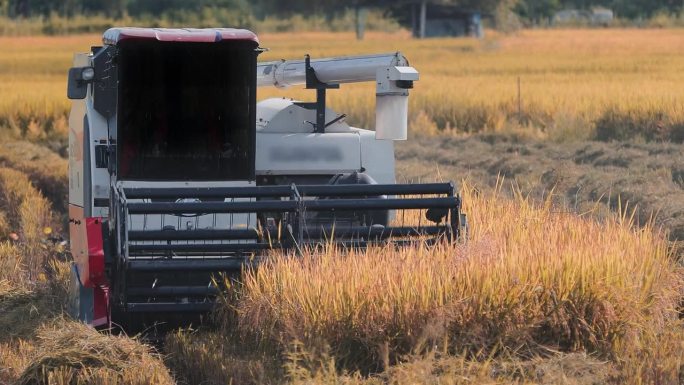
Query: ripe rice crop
527	280
26	217
574	84
72	353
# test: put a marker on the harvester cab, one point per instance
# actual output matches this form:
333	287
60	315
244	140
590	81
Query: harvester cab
176	173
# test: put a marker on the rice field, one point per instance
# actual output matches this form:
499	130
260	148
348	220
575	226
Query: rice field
527	277
536	295
574	84
530	284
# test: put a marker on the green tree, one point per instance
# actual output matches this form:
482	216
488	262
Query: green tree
537	10
644	8
304	7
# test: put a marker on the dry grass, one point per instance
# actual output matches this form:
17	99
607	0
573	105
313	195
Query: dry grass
25	248
69	352
556	369
212	358
33	279
528	280
38	345
535	296
576	84
12	268
46	169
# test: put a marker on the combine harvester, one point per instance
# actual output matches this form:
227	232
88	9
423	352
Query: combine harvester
176	173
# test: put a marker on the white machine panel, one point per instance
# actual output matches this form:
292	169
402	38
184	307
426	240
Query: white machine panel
285	115
76	146
377	157
190	222
307	154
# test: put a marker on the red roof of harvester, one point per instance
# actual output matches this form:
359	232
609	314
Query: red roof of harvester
113	36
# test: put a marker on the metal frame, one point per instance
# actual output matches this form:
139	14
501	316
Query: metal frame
288	199
145	255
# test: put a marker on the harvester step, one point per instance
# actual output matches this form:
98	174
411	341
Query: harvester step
378	204
211	207
291	206
169	307
199	247
183	235
371	232
189	265
208	192
173	291
286	191
340	190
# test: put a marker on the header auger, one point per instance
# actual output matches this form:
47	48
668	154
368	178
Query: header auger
177	173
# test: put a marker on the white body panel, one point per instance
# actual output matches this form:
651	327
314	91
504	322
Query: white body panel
377	157
87	129
99	177
181	222
285	146
76	146
307	154
285	116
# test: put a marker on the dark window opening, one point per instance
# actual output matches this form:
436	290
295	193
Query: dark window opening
186	110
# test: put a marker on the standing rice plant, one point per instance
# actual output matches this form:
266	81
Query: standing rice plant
31	218
527	278
201	357
14	357
13	272
35	218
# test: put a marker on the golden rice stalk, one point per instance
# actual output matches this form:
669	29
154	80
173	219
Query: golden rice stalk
70	352
527	277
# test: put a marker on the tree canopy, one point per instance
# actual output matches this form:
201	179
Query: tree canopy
532	10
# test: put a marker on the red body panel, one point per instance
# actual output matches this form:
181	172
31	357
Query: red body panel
101	316
208	35
95	252
86	247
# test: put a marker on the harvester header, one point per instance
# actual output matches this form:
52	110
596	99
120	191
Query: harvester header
178	174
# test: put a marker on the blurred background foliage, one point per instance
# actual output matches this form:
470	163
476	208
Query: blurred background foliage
276	16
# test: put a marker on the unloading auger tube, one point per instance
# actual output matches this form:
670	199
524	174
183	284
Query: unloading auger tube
177	175
391	73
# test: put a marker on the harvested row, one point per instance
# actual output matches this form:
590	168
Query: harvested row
46	170
68	352
38	345
585	177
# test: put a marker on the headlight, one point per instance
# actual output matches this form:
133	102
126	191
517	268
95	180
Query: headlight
88	74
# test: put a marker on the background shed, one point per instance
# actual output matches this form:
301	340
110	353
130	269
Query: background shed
441	20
